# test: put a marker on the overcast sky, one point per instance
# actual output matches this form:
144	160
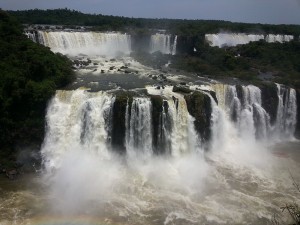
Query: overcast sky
253	11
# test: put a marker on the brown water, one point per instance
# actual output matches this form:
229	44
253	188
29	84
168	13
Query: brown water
226	191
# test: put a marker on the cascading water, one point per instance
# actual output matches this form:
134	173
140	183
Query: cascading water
236	181
249	117
162	43
90	43
139	128
286	113
232	39
77	119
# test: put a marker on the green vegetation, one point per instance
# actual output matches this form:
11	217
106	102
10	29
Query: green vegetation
30	74
246	61
175	26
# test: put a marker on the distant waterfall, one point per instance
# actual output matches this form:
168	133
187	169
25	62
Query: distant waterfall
270	38
286	112
232	39
162	43
90	43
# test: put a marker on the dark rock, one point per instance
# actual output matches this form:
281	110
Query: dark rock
118	120
94	70
111	68
95	64
12	174
199	106
102	71
182	83
269	99
157	103
181	89
239	90
154	77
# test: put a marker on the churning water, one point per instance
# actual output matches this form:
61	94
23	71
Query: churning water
164	172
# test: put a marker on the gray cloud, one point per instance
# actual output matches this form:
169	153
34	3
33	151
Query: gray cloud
257	11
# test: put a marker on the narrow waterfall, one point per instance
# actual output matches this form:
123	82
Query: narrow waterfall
90	43
77	120
174	47
139	128
162	43
286	112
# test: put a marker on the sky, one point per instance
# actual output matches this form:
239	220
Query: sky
249	11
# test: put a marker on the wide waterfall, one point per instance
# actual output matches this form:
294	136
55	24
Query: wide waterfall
124	148
88	43
232	39
163	43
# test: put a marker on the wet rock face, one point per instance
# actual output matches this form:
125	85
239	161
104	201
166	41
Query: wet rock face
185	45
199	107
297	132
118	121
270	100
157	104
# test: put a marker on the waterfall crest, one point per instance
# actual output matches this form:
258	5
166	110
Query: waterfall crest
233	39
89	43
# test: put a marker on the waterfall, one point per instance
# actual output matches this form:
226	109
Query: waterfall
90	43
233	39
165	129
271	38
31	36
162	43
286	118
139	128
77	120
174	47
247	113
83	120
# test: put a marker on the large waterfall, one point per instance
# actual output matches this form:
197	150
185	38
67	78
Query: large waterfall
154	153
89	43
80	119
233	39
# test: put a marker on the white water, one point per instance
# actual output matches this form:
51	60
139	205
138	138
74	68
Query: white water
139	128
77	120
88	43
162	43
233	39
286	113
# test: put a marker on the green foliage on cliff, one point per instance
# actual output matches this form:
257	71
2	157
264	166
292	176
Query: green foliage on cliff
281	60
176	26
30	74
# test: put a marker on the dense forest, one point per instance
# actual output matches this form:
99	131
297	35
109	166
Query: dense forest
30	74
175	26
248	62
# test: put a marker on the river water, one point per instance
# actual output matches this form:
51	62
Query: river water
221	189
